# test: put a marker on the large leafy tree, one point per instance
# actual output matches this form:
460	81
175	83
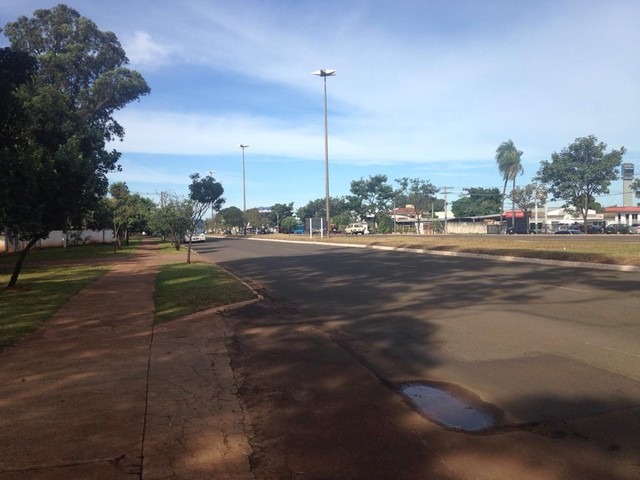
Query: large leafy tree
129	212
370	196
419	193
279	212
477	201
16	69
525	198
508	158
172	218
59	171
580	172
204	193
232	217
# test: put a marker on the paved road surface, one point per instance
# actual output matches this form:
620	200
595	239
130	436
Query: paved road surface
555	350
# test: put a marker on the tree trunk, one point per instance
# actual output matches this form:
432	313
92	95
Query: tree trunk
18	268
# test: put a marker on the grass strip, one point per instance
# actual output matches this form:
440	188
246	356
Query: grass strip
37	296
182	289
580	248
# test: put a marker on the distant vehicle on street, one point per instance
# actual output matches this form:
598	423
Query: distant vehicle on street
635	228
591	229
196	237
617	228
520	231
568	232
355	228
299	230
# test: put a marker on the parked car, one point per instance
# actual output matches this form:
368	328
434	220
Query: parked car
299	230
355	228
617	228
520	231
568	231
591	229
635	228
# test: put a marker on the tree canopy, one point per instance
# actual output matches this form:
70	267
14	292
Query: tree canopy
477	201
508	158
371	196
580	172
204	193
57	172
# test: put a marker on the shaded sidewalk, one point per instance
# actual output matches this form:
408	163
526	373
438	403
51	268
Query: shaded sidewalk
98	392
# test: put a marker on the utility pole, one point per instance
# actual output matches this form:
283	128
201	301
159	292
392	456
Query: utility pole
445	191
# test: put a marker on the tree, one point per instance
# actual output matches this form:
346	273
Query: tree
477	201
315	208
635	186
204	193
172	218
129	212
16	69
525	198
279	212
508	160
371	196
289	223
58	173
580	172
232	217
253	217
419	193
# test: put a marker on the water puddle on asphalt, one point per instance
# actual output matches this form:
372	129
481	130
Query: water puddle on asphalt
447	409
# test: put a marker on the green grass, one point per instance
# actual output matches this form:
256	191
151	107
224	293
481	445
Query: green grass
617	250
50	277
183	288
37	296
96	252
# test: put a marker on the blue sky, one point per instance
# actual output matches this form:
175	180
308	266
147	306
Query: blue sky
425	89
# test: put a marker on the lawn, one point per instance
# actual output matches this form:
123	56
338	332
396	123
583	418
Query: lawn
616	249
50	277
183	288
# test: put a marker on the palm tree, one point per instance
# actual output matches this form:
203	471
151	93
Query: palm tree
508	160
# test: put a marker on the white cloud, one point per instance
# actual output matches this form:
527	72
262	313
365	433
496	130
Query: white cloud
144	52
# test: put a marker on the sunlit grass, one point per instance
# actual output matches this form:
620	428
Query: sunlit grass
583	248
102	251
37	296
183	288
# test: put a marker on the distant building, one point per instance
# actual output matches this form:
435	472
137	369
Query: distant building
627	179
625	214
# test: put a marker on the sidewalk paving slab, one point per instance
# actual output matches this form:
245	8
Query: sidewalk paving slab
74	400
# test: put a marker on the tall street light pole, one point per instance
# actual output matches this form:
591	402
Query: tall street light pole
324	74
213	212
244	191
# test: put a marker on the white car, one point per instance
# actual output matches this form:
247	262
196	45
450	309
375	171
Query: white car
197	237
356	228
635	228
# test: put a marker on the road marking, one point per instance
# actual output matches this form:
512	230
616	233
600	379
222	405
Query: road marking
540	284
613	349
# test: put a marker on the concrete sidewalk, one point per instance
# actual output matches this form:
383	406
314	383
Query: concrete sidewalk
99	393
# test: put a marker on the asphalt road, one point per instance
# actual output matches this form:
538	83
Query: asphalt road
553	350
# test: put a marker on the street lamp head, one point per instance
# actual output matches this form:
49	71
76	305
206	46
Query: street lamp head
243	146
324	73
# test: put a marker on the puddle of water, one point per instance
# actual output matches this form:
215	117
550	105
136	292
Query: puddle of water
446	409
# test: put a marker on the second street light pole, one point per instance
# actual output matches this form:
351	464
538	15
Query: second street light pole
324	74
244	192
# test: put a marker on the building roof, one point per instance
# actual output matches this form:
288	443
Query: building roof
622	209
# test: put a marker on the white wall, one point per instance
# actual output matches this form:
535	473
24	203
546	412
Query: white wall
57	239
